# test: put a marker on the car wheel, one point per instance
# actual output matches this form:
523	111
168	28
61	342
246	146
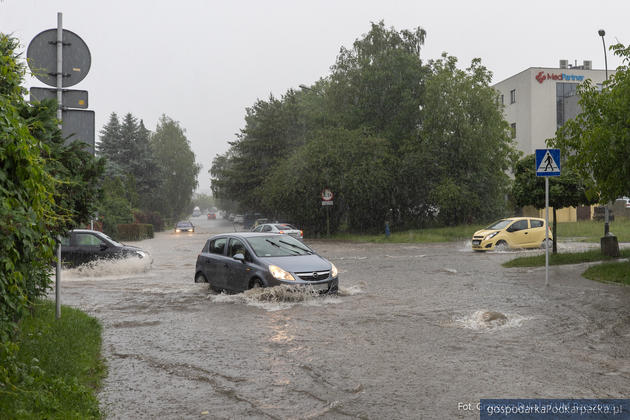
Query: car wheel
200	278
546	243
255	284
501	246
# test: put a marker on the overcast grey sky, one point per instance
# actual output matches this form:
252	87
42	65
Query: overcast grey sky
203	62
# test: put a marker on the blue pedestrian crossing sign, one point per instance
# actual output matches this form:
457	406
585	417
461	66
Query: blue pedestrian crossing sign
547	162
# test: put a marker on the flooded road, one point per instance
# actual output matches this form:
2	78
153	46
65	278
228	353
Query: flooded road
417	331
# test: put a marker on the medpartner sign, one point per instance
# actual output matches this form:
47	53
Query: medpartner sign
542	76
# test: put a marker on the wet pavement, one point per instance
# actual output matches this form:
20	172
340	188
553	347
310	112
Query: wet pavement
417	331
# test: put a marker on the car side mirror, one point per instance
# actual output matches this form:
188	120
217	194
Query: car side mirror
103	247
510	229
239	257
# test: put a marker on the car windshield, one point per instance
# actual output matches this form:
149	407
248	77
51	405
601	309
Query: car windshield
277	246
501	224
111	240
184	224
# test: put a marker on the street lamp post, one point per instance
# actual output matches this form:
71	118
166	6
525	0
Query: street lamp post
602	33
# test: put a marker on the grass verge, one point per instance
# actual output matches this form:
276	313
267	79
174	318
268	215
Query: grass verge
583	231
592	231
617	272
443	234
60	366
564	258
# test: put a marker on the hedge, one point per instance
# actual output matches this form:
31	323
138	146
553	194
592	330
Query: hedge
135	231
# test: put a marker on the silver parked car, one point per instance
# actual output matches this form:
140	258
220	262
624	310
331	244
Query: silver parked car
245	260
282	228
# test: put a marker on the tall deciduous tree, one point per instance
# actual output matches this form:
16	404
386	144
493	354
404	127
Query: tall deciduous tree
179	170
378	83
354	165
597	142
464	148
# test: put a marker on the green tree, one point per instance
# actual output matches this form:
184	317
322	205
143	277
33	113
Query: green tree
273	130
354	165
460	160
110	139
596	143
179	170
115	207
144	167
566	190
378	83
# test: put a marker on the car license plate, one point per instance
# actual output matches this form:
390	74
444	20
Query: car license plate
476	242
320	286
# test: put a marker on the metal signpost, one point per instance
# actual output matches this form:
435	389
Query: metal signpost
60	58
547	164
327	200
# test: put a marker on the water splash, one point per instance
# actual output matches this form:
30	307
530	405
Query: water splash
489	320
284	297
107	269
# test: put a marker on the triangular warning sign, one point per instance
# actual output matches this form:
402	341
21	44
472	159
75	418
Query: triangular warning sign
548	164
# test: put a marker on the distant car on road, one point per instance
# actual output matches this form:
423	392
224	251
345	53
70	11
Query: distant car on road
282	228
184	226
246	260
212	216
83	246
196	212
515	232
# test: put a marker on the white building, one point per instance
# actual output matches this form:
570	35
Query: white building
538	100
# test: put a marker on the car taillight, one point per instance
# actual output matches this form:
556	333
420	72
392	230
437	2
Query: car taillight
301	234
281	232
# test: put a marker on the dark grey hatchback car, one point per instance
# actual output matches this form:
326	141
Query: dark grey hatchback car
239	261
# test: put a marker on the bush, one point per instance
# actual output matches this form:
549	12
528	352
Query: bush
134	231
152	217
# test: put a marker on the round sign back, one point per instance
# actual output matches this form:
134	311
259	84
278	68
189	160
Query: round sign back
327	194
42	58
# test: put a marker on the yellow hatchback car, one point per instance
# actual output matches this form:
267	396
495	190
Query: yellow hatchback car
515	232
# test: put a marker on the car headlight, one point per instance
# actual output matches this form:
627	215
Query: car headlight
492	235
333	270
279	273
141	254
177	230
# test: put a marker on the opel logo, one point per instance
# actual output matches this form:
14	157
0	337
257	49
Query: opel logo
315	275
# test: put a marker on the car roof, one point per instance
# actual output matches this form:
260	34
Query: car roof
244	235
85	231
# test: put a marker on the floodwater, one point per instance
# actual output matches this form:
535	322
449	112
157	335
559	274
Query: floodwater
417	331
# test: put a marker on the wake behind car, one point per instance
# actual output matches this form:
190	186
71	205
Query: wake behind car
83	246
246	260
514	232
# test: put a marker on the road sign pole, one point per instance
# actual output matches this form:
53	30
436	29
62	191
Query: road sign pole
546	231
59	107
59	65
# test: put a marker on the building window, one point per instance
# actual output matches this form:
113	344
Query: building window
513	96
567	106
502	102
513	130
